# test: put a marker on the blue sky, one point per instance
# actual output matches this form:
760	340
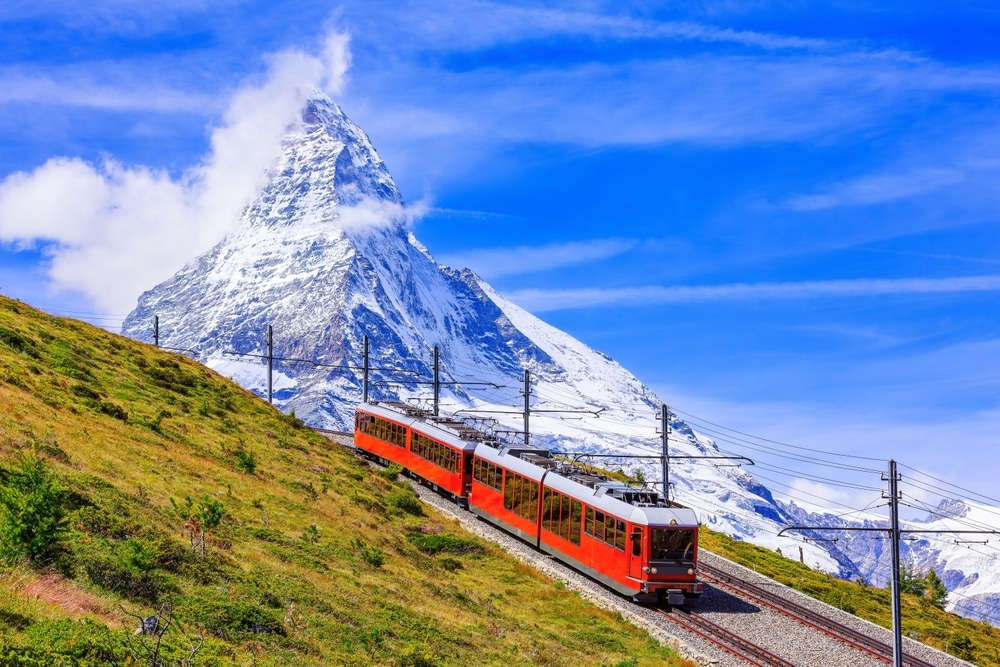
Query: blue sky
783	216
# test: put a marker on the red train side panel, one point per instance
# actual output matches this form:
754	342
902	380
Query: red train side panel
434	455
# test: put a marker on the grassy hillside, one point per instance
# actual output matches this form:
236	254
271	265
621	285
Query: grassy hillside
125	454
975	642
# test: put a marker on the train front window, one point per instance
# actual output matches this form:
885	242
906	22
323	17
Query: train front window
672	544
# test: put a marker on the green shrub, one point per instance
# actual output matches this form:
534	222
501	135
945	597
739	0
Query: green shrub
245	460
369	553
83	391
113	410
405	500
229	619
453	544
32	511
18	342
64	643
451	564
392	471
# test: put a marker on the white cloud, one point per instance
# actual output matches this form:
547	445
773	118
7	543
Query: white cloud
540	300
112	230
876	189
494	262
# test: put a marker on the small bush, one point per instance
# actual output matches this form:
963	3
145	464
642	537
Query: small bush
245	460
392	471
113	410
451	564
83	391
405	500
64	642
18	342
226	618
32	511
452	544
369	553
292	420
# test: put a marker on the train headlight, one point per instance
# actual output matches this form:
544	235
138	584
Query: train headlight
690	570
653	570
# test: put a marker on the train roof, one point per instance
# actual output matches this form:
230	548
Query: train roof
639	505
445	431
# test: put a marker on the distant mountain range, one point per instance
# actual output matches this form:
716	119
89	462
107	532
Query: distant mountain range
324	256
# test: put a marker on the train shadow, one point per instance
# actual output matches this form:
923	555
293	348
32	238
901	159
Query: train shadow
718	600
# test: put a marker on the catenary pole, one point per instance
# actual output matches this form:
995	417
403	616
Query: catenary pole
365	369
527	405
897	625
665	431
437	380
270	363
156	330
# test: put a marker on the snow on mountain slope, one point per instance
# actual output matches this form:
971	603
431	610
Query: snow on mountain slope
324	255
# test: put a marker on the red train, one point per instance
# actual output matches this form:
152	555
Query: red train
624	537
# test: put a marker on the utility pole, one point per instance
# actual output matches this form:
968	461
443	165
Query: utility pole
527	404
437	380
364	371
665	431
894	532
156	330
897	629
270	363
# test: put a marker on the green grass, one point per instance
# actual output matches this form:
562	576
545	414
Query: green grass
975	642
317	560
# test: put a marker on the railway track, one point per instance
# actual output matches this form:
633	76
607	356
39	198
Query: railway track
804	615
724	639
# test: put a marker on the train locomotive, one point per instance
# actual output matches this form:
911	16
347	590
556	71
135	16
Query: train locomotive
625	537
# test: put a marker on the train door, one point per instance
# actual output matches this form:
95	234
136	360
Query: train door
635	552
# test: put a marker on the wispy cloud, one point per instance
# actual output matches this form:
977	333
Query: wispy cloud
875	189
488	24
75	87
495	262
538	300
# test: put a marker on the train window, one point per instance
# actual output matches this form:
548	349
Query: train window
531	507
576	514
620	535
588	524
563	516
600	527
671	543
547	510
508	492
609	530
637	541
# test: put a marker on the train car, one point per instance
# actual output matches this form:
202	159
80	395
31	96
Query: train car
506	489
433	452
622	536
619	535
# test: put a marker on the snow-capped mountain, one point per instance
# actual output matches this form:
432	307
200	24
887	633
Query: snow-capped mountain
324	255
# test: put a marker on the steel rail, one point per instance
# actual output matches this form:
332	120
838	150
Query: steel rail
724	639
806	616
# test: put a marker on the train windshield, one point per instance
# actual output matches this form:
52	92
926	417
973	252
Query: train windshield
672	544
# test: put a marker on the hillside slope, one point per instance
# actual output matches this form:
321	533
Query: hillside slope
317	560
